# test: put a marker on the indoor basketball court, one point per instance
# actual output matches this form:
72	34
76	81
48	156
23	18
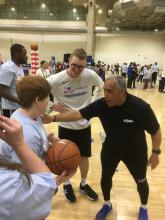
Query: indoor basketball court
113	33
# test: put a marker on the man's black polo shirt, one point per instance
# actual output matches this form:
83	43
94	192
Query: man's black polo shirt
124	125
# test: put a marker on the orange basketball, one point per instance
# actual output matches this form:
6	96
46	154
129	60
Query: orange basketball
63	155
34	46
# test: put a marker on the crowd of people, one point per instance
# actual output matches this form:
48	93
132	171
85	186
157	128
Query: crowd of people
24	178
133	73
148	74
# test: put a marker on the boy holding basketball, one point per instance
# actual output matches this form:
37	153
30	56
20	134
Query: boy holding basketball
33	94
72	90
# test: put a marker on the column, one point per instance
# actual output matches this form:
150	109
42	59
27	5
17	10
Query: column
91	28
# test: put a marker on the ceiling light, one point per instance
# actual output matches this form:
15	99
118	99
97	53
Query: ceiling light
74	10
85	5
43	5
124	1
69	0
156	30
78	18
12	9
101	28
100	11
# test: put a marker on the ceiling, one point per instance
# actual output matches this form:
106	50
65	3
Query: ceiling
117	15
35	10
141	15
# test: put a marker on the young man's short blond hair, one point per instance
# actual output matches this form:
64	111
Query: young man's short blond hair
79	53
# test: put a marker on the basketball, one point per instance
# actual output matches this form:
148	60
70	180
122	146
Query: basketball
63	155
34	46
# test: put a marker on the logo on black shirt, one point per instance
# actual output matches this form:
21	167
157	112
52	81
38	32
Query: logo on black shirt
128	121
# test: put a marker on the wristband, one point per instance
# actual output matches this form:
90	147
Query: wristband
156	151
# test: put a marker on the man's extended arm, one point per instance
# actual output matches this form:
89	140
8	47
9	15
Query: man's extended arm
64	117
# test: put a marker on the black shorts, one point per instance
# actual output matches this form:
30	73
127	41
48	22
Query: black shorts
82	138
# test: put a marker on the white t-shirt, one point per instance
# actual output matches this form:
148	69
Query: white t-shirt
43	72
124	68
154	69
75	93
147	74
9	74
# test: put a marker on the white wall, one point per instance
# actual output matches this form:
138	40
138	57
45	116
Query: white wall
49	44
164	52
141	48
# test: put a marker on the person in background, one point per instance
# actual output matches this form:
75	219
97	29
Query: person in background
162	80
146	77
141	74
112	69
108	67
26	190
93	67
154	72
124	70
130	76
117	67
59	67
101	71
43	70
10	72
134	74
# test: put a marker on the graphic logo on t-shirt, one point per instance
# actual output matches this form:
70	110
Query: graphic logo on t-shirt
128	121
71	92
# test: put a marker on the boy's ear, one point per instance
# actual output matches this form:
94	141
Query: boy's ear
37	99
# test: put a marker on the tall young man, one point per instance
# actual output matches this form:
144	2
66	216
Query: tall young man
72	90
